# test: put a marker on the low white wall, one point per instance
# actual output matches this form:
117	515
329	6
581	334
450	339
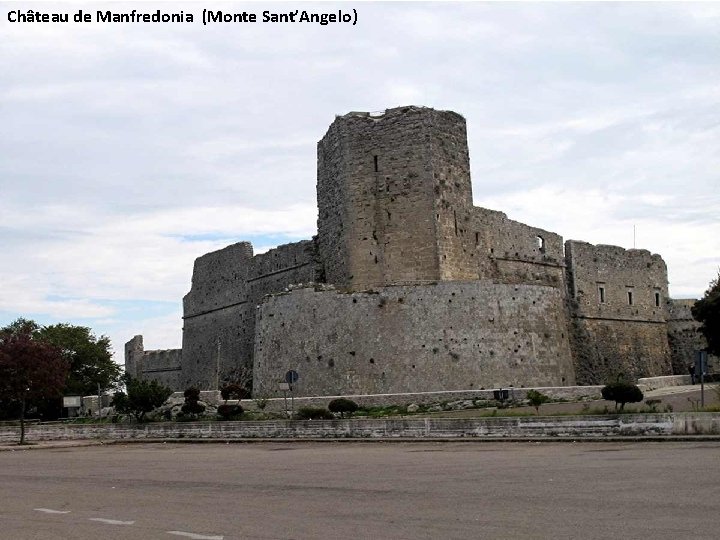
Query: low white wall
571	393
653	383
444	428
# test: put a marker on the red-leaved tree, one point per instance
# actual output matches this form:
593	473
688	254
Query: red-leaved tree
29	369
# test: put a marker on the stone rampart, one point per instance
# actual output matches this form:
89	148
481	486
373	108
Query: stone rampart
218	336
685	338
163	366
617	300
518	253
414	339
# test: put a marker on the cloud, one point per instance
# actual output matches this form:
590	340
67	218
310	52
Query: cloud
128	150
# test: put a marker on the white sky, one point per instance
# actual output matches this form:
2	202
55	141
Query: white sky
127	150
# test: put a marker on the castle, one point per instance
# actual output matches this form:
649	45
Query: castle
408	287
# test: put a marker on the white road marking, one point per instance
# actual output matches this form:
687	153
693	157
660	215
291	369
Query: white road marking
112	521
195	536
51	511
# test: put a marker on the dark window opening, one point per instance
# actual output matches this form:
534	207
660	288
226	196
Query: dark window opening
630	298
375	158
657	299
477	238
601	291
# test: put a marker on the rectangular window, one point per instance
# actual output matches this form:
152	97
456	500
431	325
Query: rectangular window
630	298
376	163
657	299
601	294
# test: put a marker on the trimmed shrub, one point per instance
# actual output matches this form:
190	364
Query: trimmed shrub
234	391
191	406
229	412
536	399
343	406
622	392
192	394
314	413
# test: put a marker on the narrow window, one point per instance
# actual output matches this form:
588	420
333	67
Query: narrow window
540	243
477	238
657	299
630	298
375	158
601	291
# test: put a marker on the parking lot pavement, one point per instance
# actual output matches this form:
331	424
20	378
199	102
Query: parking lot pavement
351	490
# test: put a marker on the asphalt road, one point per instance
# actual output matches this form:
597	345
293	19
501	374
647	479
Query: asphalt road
363	490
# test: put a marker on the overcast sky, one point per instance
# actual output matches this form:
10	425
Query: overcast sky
128	150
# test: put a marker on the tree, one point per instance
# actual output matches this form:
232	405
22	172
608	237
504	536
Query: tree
707	312
343	406
89	357
29	369
536	399
622	392
140	397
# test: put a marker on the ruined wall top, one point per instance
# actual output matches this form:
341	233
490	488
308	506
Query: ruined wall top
610	282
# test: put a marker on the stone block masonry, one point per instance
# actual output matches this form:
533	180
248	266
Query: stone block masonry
408	287
163	366
618	303
423	338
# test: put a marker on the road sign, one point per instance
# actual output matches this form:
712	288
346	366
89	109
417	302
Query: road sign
291	377
701	362
284	386
72	401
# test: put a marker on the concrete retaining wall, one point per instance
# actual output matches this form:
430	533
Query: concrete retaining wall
550	427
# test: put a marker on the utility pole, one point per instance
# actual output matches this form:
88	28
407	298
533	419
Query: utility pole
217	366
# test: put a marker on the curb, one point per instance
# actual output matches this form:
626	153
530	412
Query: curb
55	445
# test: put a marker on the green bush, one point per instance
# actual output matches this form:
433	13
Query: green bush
343	406
229	412
622	392
141	397
192	394
536	399
234	391
314	413
191	407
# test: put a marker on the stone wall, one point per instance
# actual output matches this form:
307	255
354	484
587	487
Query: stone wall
219	318
617	300
518	253
388	188
163	366
685	338
414	339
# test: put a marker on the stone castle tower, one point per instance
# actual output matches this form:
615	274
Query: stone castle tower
389	188
409	287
